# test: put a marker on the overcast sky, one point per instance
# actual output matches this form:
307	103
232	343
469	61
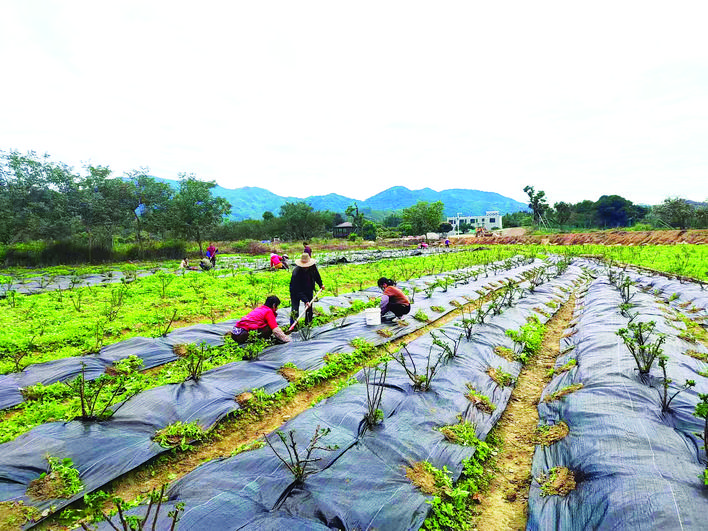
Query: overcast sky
306	98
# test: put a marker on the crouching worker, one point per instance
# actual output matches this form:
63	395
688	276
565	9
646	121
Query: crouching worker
262	321
393	299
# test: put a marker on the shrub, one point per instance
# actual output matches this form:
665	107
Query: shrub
636	338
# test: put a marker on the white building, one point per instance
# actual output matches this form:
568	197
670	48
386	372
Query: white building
490	220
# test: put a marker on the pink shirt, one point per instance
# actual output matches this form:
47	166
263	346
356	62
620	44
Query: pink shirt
274	260
259	318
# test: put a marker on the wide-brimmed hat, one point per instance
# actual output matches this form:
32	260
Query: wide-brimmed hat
305	261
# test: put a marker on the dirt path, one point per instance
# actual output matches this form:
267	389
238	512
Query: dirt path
505	504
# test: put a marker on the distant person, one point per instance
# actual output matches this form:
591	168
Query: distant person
393	299
423	245
307	249
302	286
211	254
205	264
447	242
185	265
262	321
278	262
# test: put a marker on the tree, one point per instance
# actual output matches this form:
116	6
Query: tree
369	230
563	212
445	227
464	227
357	218
676	212
299	221
537	202
614	211
195	210
148	203
424	217
392	220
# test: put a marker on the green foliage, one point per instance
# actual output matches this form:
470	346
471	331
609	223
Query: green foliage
420	381
96	503
665	381
701	412
637	339
462	433
375	380
60	481
453	509
301	466
423	217
420	315
529	338
180	435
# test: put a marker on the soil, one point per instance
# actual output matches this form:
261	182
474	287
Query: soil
504	505
607	237
560	481
422	479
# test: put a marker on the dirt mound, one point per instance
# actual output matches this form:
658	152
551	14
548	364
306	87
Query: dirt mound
611	237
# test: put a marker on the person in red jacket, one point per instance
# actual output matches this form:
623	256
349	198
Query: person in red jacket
262	321
393	299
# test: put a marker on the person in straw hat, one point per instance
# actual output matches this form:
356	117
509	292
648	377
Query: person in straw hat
302	286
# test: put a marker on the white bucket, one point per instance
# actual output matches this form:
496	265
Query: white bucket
373	316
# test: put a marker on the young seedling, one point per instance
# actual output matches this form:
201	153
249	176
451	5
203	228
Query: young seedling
60	481
701	412
90	394
95	504
180	435
665	399
301	466
374	378
449	349
636	338
421	382
193	361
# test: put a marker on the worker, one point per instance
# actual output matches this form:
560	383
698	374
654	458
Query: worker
278	262
393	299
262	321
211	254
302	286
306	248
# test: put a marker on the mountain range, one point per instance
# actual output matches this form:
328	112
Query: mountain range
251	202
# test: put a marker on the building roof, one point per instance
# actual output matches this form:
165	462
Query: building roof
345	224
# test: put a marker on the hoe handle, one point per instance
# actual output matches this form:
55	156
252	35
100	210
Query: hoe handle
307	307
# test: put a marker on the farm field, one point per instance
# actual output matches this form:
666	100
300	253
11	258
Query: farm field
444	380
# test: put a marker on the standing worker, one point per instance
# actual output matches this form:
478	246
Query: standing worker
211	254
307	249
302	286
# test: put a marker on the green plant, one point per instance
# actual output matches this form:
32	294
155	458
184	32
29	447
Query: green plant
701	412
528	338
636	338
60	481
375	380
96	502
503	379
301	466
559	481
180	435
420	315
462	433
665	381
449	348
92	397
562	392
479	400
421	382
195	358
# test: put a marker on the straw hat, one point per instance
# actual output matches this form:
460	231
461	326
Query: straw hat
305	261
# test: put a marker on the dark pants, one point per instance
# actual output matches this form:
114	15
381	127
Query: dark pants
242	336
295	299
398	310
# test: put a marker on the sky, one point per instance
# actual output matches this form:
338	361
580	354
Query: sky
578	99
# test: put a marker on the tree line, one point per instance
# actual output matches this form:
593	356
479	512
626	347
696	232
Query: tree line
609	211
